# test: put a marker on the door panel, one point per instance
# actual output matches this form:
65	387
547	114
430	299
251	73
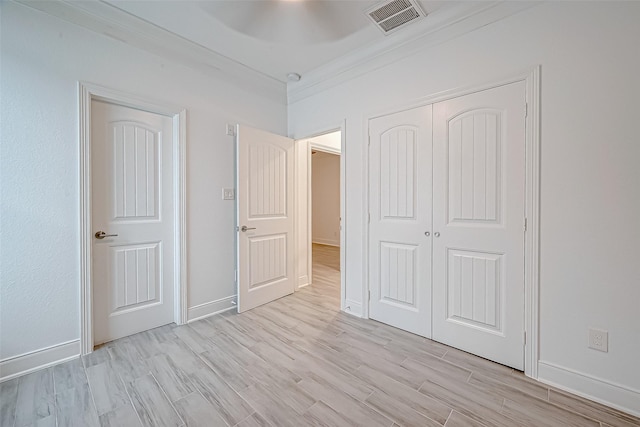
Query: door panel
474	291
478	258
135	171
397	273
474	169
400	214
265	208
132	197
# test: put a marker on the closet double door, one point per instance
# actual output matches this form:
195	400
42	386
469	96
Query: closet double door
446	226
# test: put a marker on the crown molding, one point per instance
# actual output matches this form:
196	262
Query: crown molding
108	20
436	29
440	26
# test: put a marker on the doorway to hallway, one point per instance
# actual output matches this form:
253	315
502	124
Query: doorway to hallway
325	213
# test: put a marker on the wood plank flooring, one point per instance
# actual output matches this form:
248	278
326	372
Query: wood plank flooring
297	361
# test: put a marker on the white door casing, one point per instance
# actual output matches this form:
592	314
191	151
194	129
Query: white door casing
265	206
479	211
132	197
400	219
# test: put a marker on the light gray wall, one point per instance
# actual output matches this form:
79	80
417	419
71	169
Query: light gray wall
325	194
43	59
590	202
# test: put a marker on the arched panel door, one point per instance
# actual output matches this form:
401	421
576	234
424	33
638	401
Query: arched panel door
400	220
478	223
265	217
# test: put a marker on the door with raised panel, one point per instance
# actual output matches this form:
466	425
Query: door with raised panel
132	219
478	223
400	220
265	217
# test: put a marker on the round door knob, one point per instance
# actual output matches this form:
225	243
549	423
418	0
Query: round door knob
426	233
437	234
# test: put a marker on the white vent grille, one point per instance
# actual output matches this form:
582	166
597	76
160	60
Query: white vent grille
391	15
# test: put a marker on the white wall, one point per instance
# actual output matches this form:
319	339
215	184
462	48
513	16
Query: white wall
325	194
590	203
43	59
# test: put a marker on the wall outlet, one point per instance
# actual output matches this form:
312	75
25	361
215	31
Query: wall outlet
228	194
231	130
599	340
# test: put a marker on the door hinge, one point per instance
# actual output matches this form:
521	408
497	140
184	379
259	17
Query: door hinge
235	276
526	109
525	337
368	295
369	217
525	224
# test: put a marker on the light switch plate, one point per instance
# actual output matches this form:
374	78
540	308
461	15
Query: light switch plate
228	194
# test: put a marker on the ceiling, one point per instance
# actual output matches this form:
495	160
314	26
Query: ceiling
274	37
254	44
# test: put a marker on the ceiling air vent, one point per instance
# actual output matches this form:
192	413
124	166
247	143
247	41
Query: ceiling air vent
392	15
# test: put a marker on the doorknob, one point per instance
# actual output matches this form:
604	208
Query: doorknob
245	228
437	234
426	233
101	235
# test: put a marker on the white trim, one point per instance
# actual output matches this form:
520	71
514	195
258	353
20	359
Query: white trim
532	234
211	308
110	21
343	214
180	214
305	279
32	361
309	216
602	391
445	95
364	308
439	27
532	199
326	242
325	149
352	307
88	92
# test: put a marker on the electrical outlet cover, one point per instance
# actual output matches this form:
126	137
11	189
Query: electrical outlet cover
599	340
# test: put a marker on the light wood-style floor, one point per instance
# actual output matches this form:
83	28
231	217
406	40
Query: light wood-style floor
295	362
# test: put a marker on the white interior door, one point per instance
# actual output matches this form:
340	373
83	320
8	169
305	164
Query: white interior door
265	217
400	220
478	223
132	204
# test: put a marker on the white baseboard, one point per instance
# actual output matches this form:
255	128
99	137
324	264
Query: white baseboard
326	242
608	393
16	366
303	281
210	308
352	307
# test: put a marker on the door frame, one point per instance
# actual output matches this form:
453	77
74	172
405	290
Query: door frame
86	93
532	80
342	128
